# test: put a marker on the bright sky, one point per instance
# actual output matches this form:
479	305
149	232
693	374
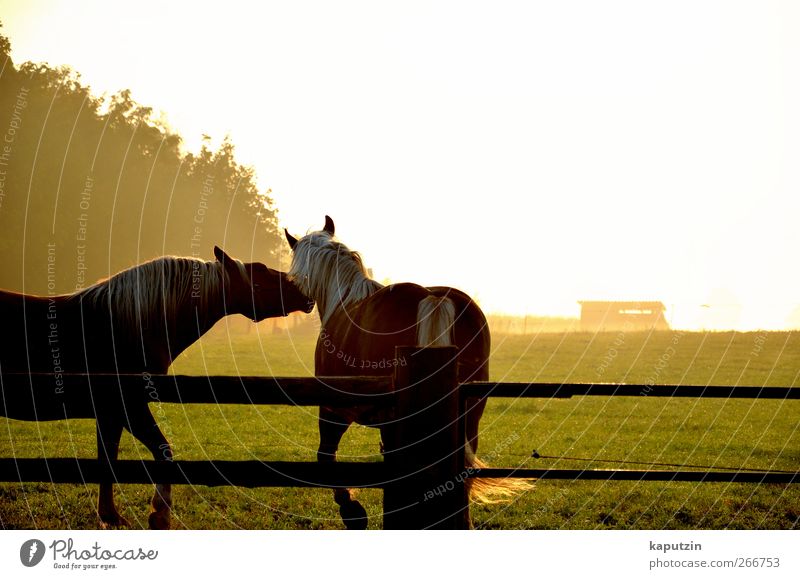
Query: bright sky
533	153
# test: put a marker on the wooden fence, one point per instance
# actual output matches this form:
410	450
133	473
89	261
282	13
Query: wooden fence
424	443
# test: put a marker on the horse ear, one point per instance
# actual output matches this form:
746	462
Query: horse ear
221	255
329	227
234	268
290	238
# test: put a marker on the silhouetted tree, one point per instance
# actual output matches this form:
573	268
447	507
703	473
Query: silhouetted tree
90	185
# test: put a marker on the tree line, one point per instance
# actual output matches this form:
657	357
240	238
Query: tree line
90	185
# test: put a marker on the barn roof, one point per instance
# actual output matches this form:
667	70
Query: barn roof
624	304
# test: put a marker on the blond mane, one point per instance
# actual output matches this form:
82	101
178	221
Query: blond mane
329	273
149	295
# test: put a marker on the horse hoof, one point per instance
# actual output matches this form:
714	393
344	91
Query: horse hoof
159	520
113	521
354	516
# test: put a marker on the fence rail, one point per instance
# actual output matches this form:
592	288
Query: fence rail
178	389
254	473
766	477
425	440
556	390
212	473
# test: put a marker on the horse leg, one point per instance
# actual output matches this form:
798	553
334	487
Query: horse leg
475	408
142	425
109	432
331	430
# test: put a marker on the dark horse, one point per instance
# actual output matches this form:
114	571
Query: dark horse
363	322
137	321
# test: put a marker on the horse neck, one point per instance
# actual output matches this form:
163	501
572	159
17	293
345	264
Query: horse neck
192	320
192	311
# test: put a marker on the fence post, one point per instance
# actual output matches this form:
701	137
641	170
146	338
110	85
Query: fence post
424	445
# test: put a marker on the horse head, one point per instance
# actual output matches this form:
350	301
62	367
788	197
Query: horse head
306	254
257	291
327	271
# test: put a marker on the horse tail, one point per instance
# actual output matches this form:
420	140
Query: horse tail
490	490
435	319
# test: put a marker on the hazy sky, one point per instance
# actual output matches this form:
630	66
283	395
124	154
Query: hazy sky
531	153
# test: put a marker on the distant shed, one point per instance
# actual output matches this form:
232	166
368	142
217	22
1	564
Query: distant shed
628	316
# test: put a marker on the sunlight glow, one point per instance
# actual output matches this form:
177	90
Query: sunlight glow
533	154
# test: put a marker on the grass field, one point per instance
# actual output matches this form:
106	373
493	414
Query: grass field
746	433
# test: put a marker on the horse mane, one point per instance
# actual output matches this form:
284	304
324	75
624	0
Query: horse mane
330	273
149	295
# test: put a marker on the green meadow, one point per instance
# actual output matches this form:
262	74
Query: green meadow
726	433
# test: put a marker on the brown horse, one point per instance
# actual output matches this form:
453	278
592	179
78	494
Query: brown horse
363	322
137	321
